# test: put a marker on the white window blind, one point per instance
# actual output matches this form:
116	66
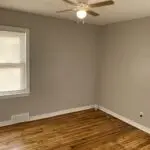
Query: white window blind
14	61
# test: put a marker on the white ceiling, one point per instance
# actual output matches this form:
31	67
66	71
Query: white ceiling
122	10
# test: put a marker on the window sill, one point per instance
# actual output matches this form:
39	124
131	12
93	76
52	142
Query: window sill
14	94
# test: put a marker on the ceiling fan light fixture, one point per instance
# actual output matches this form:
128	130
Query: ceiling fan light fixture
81	14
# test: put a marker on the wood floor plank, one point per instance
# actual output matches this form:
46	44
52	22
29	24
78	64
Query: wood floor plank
84	130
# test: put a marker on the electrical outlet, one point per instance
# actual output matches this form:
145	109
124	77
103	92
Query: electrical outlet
141	114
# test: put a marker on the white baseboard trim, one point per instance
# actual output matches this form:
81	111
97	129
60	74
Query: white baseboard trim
6	123
124	119
48	115
61	112
71	110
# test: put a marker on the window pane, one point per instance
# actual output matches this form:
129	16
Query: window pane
11	46
10	79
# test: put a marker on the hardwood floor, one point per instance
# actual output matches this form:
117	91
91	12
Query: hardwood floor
85	130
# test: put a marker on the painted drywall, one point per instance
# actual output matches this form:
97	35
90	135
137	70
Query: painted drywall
123	69
65	58
62	65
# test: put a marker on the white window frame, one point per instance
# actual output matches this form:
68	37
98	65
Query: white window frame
26	91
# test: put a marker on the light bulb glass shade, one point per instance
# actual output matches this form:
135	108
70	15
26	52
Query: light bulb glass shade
81	14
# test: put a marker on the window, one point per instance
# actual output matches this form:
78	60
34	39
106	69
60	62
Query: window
14	61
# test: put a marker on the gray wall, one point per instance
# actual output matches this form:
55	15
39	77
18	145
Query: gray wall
73	65
62	64
123	69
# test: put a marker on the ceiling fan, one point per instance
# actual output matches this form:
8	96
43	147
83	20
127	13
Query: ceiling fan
82	8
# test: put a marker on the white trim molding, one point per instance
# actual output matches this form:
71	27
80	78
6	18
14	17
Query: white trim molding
71	110
6	123
61	112
48	115
124	119
24	65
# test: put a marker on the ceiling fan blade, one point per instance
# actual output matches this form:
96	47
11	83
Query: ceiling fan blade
100	4
70	2
63	11
90	12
